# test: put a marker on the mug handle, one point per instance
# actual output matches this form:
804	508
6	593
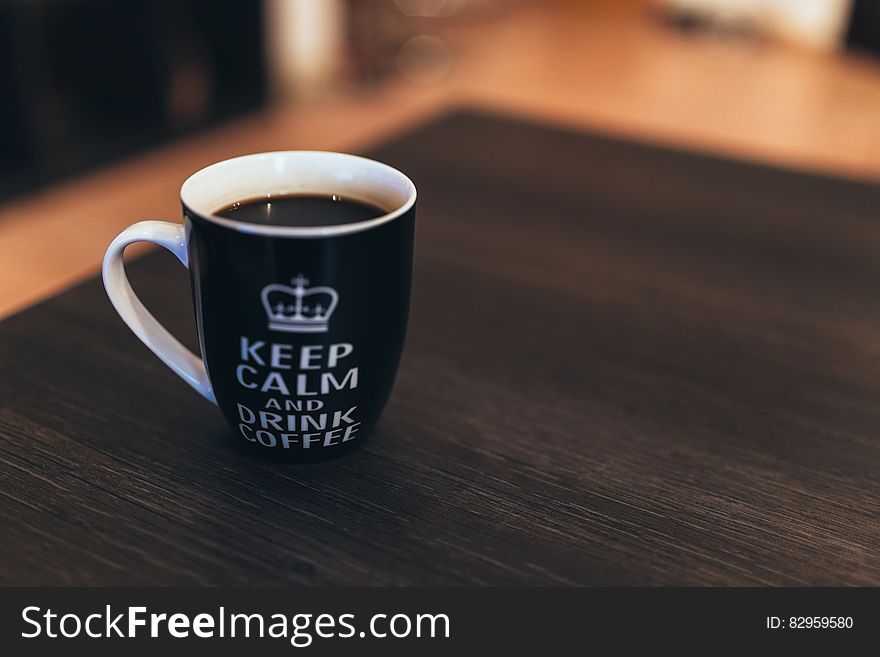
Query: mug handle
172	236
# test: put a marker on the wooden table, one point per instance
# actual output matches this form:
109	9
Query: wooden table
626	365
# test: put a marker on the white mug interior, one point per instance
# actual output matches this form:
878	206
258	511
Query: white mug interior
285	173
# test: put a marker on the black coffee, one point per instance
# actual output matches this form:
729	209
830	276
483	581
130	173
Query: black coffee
301	210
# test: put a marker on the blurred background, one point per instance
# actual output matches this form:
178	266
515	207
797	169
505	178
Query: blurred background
108	106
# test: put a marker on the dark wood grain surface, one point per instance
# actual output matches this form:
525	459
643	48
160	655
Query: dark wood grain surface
626	365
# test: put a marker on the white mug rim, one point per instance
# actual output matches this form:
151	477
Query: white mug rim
190	190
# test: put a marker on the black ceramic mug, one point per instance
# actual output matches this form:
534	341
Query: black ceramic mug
294	383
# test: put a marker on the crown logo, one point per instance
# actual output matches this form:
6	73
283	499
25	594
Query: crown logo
299	309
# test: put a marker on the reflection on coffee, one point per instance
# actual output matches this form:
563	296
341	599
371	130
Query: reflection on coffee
301	210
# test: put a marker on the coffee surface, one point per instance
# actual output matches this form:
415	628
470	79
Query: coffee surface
301	210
